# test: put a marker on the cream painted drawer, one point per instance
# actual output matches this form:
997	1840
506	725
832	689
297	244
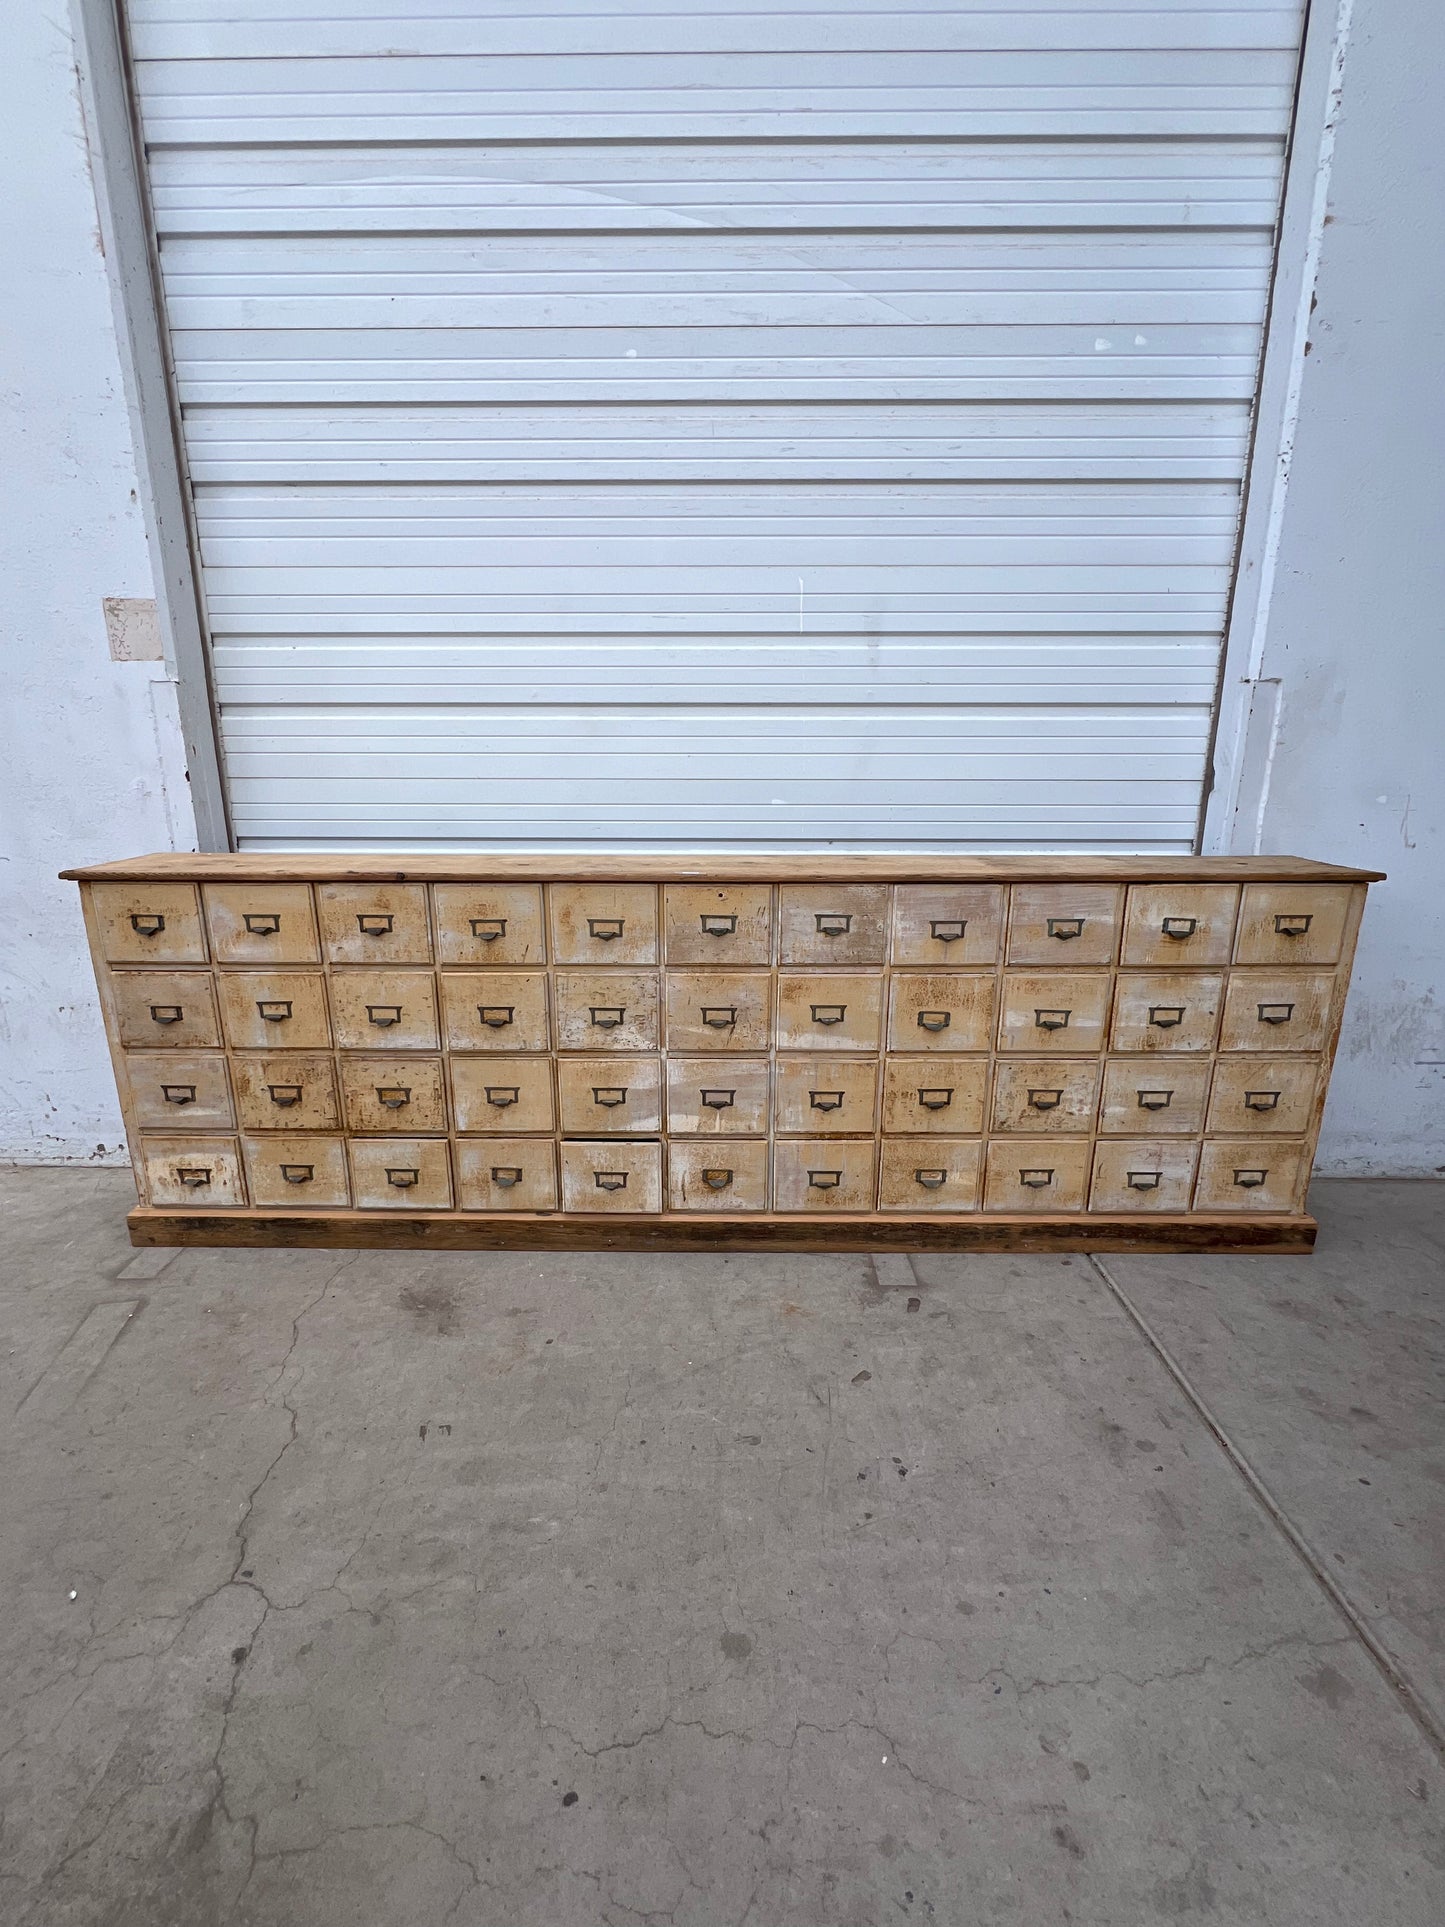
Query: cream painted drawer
1037	1174
823	1174
718	924
614	1177
825	1012
511	1094
922	1094
1282	1010
1068	925
821	1095
1143	1174
164	1009
929	1174
608	1010
400	1174
374	923
200	1172
1180	925
1167	1011
718	1177
143	923
297	1173
506	1174
1293	923
1154	1096
495	1011
942	924
604	923
179	1091
708	1098
384	1094
602	1096
1273	1096
274	1009
947	1012
1244	1174
488	923
1054	1011
719	1010
286	1091
261	923
1046	1095
833	923
385	1009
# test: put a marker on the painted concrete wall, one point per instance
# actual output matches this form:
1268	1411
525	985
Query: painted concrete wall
91	763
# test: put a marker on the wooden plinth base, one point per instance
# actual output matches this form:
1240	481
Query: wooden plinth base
516	1231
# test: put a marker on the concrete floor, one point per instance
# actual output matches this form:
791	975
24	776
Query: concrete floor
517	1591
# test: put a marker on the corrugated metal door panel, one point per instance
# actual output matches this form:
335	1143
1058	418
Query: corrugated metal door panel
810	423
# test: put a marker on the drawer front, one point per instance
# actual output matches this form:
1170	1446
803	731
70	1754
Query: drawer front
1293	923
1283	1010
820	1096
1046	1096
203	1172
506	1174
1151	1097
1180	925
1037	1174
384	1094
616	1177
823	1175
494	1094
709	1099
297	1173
829	1013
274	1010
488	923
1143	1174
142	923
943	1013
600	1096
385	1009
833	923
1065	924
604	923
608	1010
929	1174
261	923
947	924
718	1177
495	1011
1054	1011
286	1091
1274	1096
1167	1011
1244	1174
165	1009
922	1095
175	1091
374	923
401	1174
719	1010
720	924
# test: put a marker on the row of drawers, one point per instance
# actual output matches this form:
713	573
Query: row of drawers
265	923
808	1095
735	1010
929	1174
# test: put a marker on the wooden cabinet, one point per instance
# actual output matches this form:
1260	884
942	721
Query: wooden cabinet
645	1052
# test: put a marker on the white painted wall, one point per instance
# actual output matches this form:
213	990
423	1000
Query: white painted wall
91	763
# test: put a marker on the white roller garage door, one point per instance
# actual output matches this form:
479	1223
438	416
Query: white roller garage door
753	424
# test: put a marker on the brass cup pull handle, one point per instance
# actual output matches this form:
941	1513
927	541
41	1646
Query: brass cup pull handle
1142	1180
285	1095
496	1016
1036	1180
393	1096
1291	925
718	1100
1052	1019
166	1013
611	1180
501	1095
298	1173
179	1093
607	1016
1275	1013
1166	1016
833	923
605	929
828	1013
1155	1100
488	929
1250	1180
506	1174
1261	1100
825	1180
276	1010
717	924
934	1019
717	1180
609	1095
147	923
383	1015
947	929
376	923
194	1175
720	1016
826	1100
261	923
1179	927
1065	928
930	1180
403	1180
938	1100
1046	1100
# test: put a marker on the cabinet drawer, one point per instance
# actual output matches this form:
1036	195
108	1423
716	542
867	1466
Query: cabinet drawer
1283	1010
202	1172
506	1174
385	1009
614	1095
1180	924
829	1013
718	1177
488	923
386	1094
603	923
297	1173
1293	923
706	1098
1046	1095
1167	1011
176	1091
833	923
710	923
929	1174
1243	1174
374	923
943	1013
148	922
401	1174
1143	1174
1068	924
1054	1011
822	1095
607	1010
1153	1097
288	1091
493	1011
953	924
261	923
823	1174
164	1009
1273	1096
502	1093
616	1176
921	1094
719	1010
274	1010
1037	1174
